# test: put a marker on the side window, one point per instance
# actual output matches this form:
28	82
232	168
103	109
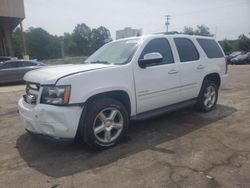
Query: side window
6	66
11	65
186	50
162	46
28	64
210	47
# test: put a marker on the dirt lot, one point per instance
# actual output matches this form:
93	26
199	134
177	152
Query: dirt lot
180	149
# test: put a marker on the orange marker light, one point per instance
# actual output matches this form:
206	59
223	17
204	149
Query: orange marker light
66	94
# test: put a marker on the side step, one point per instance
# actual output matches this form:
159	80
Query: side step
163	110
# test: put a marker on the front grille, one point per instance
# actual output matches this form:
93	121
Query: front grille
32	90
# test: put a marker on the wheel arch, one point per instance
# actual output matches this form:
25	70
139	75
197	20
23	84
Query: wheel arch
215	77
119	95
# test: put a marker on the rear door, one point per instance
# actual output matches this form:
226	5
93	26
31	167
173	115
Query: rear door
25	67
192	67
157	85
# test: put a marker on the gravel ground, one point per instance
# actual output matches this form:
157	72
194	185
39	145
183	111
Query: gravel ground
180	149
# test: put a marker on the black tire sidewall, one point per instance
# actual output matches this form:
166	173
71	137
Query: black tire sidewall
93	109
200	104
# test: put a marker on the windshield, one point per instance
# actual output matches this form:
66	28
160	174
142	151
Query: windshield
117	53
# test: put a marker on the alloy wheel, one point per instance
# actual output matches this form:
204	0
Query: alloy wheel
209	97
108	125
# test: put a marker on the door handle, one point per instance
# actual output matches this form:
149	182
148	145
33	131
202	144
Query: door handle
173	71
199	67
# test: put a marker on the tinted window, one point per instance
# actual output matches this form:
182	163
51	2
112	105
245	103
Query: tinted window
160	45
186	50
28	63
4	58
211	48
10	65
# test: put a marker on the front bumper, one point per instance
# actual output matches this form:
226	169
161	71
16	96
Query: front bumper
54	121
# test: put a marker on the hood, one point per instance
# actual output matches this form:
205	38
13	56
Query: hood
50	74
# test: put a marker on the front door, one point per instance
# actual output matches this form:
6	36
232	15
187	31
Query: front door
157	85
25	66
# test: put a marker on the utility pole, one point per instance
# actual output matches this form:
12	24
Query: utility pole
215	32
167	23
25	53
62	49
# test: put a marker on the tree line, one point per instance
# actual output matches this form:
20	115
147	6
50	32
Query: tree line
241	44
83	41
229	46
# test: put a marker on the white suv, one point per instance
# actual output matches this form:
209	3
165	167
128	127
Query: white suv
133	78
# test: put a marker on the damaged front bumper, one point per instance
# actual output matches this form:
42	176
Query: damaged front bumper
54	121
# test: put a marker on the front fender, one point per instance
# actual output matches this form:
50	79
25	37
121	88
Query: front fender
88	84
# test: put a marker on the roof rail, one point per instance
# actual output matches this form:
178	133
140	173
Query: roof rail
172	32
169	33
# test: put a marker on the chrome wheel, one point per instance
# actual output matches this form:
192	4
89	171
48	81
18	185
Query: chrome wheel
108	125
209	97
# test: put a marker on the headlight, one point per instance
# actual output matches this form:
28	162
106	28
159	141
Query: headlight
57	95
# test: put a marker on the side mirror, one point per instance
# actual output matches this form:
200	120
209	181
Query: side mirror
149	59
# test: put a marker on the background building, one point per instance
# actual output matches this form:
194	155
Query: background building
128	32
11	15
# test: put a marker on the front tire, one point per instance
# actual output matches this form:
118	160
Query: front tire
208	97
104	124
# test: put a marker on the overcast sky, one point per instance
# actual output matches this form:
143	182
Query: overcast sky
228	18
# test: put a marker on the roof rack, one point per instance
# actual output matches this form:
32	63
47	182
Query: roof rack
169	33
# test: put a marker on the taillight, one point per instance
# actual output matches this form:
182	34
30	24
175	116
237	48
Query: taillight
226	64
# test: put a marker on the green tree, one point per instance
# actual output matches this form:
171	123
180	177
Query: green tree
99	37
82	36
42	45
188	30
226	45
70	46
202	30
17	43
243	43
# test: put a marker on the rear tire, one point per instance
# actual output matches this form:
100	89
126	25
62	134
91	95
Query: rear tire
104	123
208	97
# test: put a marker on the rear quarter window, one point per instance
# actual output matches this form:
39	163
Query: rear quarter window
210	47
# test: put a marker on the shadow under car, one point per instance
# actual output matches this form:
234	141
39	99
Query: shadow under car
59	159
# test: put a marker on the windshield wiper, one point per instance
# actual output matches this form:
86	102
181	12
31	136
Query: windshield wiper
100	62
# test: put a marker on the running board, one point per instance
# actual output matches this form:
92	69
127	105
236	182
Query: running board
163	110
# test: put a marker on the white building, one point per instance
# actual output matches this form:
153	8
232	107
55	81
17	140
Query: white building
128	32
